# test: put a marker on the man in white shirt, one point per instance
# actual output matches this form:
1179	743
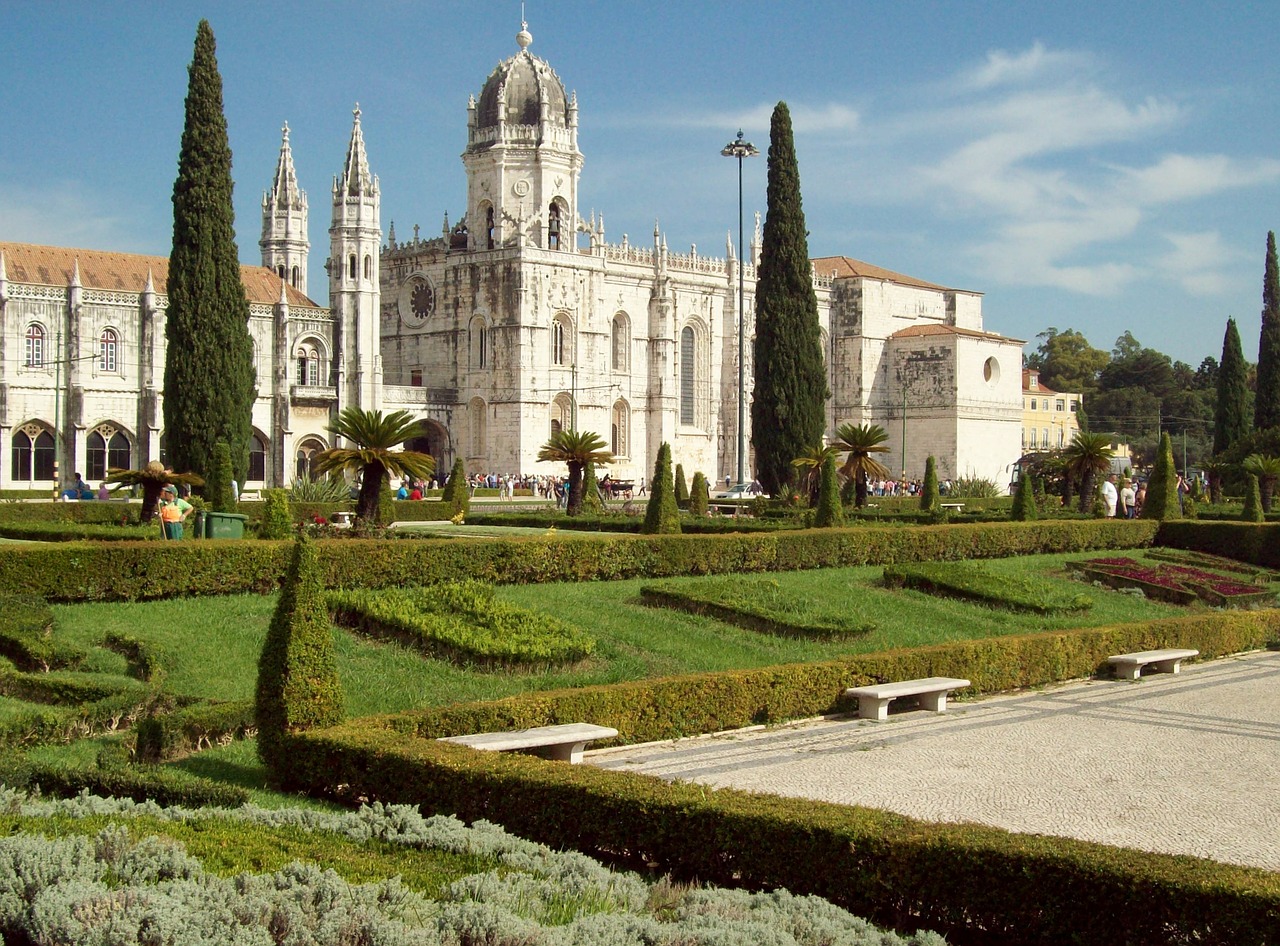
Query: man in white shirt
1109	495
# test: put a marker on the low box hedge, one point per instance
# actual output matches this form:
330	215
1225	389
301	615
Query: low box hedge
974	582
163	737
145	570
1255	543
757	604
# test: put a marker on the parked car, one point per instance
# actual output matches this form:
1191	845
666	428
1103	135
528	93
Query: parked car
741	491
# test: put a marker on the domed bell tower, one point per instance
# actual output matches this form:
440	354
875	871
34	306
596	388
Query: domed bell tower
522	158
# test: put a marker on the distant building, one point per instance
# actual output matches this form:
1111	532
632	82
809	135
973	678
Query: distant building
1049	419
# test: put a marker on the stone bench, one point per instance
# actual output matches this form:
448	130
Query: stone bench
563	743
1129	666
873	701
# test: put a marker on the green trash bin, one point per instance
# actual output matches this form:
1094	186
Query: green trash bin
224	525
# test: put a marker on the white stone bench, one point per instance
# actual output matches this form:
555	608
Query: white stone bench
873	701
1129	666
563	743
956	506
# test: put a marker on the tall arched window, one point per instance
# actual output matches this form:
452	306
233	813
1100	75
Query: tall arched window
106	449
488	228
553	226
32	454
561	342
562	412
35	346
688	366
257	459
280	270
295	277
479	343
368	267
307	451
351	266
621	429
621	342
476	415
308	365
108	350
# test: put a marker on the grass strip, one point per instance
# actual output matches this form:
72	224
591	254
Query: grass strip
758	604
978	583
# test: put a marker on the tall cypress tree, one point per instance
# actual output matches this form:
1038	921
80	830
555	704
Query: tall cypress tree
1231	415
208	370
787	405
1266	412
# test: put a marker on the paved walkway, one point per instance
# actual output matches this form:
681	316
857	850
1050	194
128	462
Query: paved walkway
1186	764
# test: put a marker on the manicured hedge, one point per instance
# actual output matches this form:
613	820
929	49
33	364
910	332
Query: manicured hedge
141	783
975	582
757	604
26	636
88	511
144	570
997	886
166	736
1256	543
78	531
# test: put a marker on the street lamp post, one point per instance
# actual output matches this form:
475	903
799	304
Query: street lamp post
741	149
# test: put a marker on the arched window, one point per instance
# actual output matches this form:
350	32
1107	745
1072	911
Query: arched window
688	366
35	346
106	449
108	350
562	412
32	454
280	270
621	342
479	343
479	427
306	455
561	342
621	429
308	364
368	267
294	280
488	228
553	226
351	266
257	459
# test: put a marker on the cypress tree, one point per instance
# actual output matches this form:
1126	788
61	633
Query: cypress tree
218	490
298	685
1024	500
662	515
787	403
386	502
1266	412
830	512
456	492
929	496
1253	501
591	501
699	495
1162	488
1230	416
681	486
208	370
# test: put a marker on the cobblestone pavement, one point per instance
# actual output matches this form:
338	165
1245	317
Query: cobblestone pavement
1186	764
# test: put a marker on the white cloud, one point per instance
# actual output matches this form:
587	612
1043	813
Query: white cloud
62	215
1197	262
831	117
1004	68
1178	177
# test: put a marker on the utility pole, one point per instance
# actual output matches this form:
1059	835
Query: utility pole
57	417
904	430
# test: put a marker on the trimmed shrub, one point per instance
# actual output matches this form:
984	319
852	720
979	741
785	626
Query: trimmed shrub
1162	490
163	737
975	582
147	659
277	519
457	494
699	495
386	503
681	486
662	516
1024	500
829	512
26	636
1252	501
929	497
162	786
218	486
592	503
298	684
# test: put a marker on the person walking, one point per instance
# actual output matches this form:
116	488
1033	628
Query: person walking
173	512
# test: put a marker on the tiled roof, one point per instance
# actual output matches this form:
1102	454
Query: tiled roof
123	272
842	267
933	328
1041	387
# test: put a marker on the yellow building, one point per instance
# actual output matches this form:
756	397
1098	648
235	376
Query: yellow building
1048	416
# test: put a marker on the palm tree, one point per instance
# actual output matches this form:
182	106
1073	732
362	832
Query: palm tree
152	478
860	442
1087	456
373	456
1267	470
812	461
576	448
1217	471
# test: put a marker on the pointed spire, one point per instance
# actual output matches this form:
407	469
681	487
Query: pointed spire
4	280
285	192
728	244
284	295
75	274
151	283
391	235
356	180
3	274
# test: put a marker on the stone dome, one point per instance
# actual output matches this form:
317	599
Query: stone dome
516	90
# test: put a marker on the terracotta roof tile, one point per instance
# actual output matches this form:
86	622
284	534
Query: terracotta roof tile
933	328
124	272
1041	387
842	267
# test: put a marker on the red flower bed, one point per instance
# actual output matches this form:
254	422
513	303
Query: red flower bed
1180	584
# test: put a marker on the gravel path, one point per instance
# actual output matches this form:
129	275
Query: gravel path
1186	764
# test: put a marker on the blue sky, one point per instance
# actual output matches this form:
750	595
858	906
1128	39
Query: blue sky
1096	166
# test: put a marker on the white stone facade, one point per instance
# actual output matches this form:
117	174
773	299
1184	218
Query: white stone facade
520	319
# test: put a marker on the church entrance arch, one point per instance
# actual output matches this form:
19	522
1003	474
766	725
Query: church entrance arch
435	441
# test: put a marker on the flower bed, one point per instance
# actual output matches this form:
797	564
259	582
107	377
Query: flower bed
1178	584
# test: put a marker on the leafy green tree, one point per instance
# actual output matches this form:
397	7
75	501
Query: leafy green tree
456	492
681	488
929	498
1267	470
860	442
1088	456
829	511
373	456
298	686
1024	500
208	370
218	487
662	515
277	518
1162	488
1252	501
577	448
1266	411
787	405
699	495
1067	362
1231	419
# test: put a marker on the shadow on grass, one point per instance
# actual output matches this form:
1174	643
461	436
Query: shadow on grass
220	769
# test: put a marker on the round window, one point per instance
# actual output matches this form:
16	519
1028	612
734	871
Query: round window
991	371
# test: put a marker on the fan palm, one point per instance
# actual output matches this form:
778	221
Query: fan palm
811	462
152	478
1087	456
860	441
576	448
1267	470
373	456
